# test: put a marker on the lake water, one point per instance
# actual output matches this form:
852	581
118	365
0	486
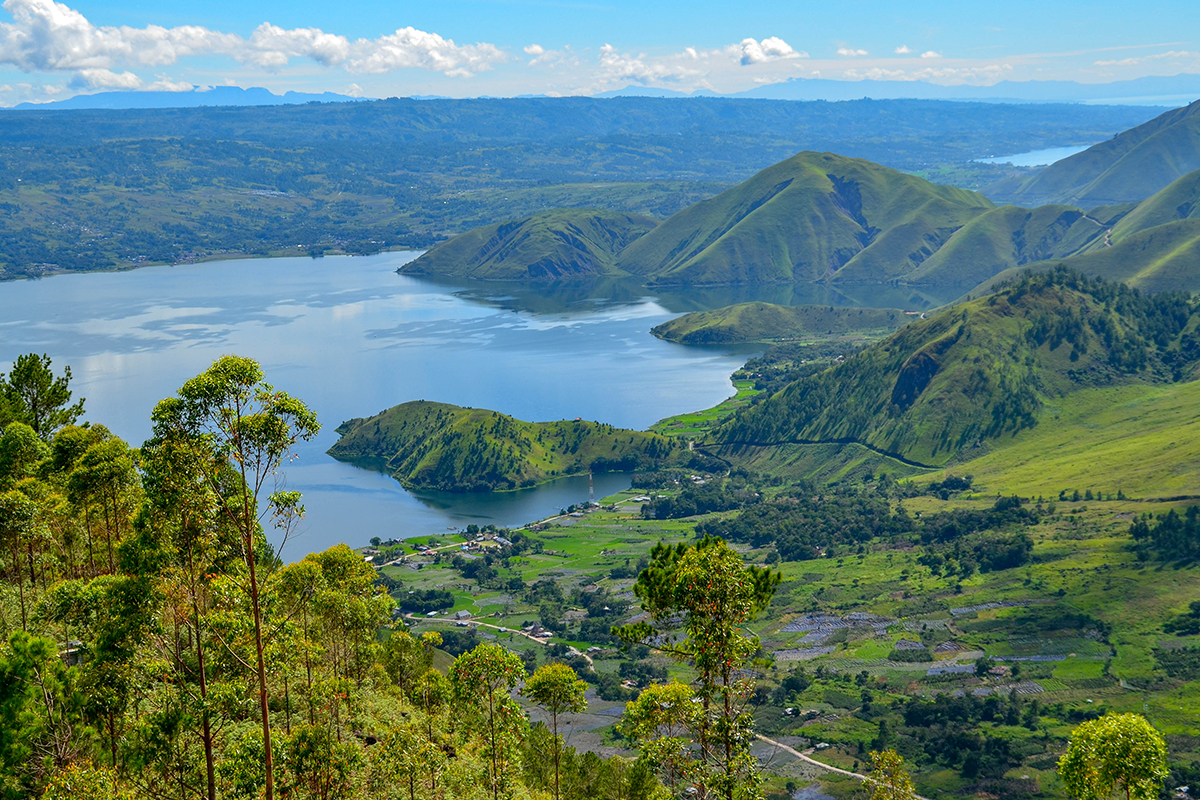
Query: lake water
1036	158
350	337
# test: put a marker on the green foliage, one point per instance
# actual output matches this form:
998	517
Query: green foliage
33	395
557	689
440	446
716	595
889	779
1171	537
1118	752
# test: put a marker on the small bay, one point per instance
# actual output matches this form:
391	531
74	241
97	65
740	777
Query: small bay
351	337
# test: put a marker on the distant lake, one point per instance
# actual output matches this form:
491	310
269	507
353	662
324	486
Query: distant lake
1036	158
350	337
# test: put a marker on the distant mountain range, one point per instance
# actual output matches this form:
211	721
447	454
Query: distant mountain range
197	98
1165	91
829	218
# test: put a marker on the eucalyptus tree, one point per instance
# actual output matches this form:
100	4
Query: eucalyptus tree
105	477
243	430
482	679
558	690
708	591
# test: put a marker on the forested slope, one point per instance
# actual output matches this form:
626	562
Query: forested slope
981	371
440	446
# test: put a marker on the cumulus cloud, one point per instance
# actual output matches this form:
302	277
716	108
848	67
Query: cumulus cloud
93	78
165	84
903	50
850	51
553	58
615	66
769	49
931	54
48	36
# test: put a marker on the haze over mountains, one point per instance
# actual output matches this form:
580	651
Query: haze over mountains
1158	90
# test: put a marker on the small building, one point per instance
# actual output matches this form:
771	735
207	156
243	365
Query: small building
464	614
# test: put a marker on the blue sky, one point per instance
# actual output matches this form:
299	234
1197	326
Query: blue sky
464	48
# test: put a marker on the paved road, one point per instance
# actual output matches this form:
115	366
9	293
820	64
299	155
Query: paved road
815	763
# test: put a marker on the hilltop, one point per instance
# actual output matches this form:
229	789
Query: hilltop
847	222
1128	168
426	445
562	243
768	322
978	374
814	216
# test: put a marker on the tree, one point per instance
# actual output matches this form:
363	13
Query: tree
482	679
715	594
245	429
889	779
84	780
1118	752
556	688
35	397
661	722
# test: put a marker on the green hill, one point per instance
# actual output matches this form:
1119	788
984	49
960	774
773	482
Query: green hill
815	216
980	373
1153	245
562	243
1006	237
427	445
767	322
1130	167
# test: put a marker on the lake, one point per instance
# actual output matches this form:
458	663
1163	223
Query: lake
1036	158
351	337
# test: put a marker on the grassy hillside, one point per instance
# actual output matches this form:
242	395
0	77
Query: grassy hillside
1141	440
814	216
428	445
563	243
978	374
767	322
1127	168
1005	237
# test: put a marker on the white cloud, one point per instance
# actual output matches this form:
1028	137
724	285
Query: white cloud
551	58
94	78
903	50
985	74
931	54
1126	62
769	49
47	36
165	84
850	51
616	67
